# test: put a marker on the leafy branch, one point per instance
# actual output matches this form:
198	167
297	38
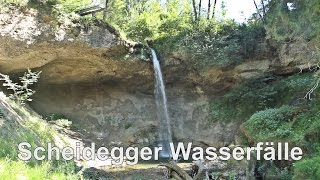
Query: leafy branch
21	91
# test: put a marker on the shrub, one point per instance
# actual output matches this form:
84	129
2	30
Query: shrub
251	38
271	123
15	2
63	123
244	100
56	116
1	114
221	111
256	93
271	171
21	91
307	126
307	168
73	5
260	94
270	119
139	30
302	21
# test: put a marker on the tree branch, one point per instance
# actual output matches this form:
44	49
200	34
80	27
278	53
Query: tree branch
178	170
201	172
255	4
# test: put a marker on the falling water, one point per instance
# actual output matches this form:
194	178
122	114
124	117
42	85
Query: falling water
162	110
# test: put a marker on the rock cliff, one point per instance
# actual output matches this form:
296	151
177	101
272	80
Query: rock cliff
92	79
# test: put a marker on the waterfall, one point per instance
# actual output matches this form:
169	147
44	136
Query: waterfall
162	109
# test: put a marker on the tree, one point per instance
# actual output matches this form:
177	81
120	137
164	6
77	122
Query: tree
258	11
263	8
199	10
209	7
194	9
105	10
214	8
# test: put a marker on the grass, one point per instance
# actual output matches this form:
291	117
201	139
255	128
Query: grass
20	170
308	168
35	131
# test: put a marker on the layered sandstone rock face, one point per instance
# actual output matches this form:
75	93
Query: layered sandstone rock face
93	80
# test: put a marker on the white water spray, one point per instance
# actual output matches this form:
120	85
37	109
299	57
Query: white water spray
162	110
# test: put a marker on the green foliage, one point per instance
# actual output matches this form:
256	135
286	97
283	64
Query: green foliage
20	170
73	5
306	126
302	21
56	116
21	91
206	42
259	94
216	42
271	123
251	39
32	169
36	132
307	168
139	30
241	102
68	5
14	2
213	43
1	114
298	125
171	25
148	19
220	110
271	171
298	82
29	3
63	123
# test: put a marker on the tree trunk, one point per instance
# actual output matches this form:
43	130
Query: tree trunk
264	10
179	173
209	6
178	170
199	10
194	9
201	172
214	8
105	11
255	4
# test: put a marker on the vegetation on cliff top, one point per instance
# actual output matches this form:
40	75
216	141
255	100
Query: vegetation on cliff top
199	32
